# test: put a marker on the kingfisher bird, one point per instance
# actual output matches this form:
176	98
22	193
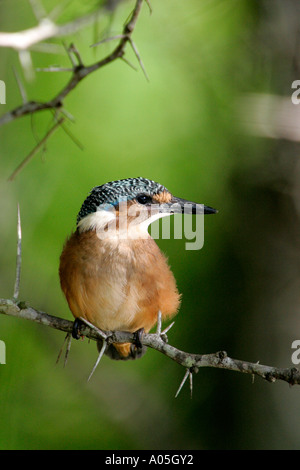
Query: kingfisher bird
112	272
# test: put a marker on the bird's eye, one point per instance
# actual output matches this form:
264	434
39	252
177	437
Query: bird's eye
143	198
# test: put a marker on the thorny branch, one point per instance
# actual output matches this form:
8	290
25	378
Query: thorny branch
21	41
191	362
79	72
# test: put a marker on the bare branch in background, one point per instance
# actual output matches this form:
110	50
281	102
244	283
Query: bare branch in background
46	29
79	72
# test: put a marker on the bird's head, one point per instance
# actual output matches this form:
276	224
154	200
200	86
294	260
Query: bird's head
134	203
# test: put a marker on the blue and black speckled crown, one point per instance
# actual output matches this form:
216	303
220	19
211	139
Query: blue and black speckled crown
113	192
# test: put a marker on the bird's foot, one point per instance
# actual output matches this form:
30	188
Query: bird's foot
77	327
138	336
137	349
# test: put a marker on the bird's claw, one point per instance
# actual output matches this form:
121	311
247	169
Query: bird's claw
138	336
77	326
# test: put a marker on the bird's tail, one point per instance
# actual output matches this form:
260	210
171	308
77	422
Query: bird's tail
123	352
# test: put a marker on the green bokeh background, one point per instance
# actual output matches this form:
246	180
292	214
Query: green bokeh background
182	129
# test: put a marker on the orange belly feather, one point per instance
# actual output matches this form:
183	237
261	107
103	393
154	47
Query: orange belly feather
117	284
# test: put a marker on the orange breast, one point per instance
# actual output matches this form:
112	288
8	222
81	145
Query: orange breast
117	284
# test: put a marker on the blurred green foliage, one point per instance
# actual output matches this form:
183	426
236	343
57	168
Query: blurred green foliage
180	129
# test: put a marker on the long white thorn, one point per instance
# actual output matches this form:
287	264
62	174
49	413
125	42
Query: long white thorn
135	50
168	328
101	333
182	383
98	359
158	328
19	257
191	384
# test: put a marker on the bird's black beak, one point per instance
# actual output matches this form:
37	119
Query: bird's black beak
182	206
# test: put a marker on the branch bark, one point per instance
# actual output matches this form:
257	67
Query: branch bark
192	362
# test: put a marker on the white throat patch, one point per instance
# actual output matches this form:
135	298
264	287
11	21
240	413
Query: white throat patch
96	220
104	222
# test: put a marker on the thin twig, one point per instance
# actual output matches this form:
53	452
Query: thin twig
19	257
35	149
